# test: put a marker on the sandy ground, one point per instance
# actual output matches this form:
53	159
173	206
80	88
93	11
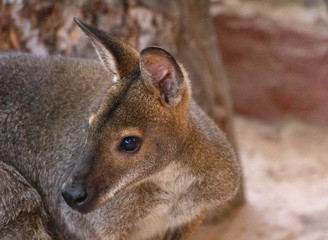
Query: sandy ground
286	176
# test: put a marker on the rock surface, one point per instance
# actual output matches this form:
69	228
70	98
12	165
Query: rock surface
276	57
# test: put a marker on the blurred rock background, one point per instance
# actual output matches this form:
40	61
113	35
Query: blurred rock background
276	56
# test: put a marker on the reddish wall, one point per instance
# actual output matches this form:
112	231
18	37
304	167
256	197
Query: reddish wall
276	58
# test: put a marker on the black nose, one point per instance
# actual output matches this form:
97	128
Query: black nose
74	195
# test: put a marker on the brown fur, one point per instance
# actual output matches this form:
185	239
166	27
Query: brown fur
184	166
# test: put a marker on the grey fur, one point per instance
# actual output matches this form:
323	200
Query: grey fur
44	104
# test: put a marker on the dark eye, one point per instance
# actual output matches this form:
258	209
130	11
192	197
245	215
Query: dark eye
130	144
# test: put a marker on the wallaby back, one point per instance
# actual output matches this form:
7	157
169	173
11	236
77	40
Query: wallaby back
149	163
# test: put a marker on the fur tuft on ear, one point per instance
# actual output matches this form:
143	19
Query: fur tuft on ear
119	58
160	71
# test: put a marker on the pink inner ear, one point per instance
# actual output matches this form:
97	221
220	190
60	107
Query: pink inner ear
161	72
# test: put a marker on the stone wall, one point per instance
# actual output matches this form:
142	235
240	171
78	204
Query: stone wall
276	57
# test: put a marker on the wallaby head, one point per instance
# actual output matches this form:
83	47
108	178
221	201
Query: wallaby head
139	128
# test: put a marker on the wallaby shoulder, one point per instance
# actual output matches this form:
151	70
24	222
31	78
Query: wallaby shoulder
213	159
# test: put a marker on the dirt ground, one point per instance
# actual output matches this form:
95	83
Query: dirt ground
286	176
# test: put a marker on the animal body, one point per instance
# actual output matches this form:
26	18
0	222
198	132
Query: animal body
82	157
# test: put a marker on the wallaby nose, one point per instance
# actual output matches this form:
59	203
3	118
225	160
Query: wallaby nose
75	196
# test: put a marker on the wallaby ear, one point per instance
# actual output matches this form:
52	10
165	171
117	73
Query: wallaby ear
118	57
161	72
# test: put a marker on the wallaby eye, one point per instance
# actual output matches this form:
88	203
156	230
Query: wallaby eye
130	144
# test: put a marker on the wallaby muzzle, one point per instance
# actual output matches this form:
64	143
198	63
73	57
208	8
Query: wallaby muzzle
75	195
76	191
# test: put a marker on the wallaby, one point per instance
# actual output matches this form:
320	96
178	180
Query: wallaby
147	164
